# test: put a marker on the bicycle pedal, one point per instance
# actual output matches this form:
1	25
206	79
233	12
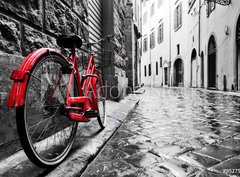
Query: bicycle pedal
91	113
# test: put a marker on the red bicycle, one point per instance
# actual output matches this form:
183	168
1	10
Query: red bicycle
51	98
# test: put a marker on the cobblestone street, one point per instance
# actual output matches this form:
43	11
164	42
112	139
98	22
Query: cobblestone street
175	132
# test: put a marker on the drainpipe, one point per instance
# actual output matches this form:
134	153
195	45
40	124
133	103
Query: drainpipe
150	49
199	40
170	45
199	29
133	56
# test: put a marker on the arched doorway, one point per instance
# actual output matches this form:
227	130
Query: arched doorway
238	55
194	68
178	73
202	69
212	70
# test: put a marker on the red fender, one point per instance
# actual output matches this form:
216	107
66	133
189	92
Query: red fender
17	93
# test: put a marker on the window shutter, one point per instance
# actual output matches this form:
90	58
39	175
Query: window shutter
175	19
150	41
146	44
162	33
95	26
180	23
154	39
208	9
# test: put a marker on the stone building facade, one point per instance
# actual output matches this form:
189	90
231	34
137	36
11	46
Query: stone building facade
117	20
156	42
137	44
199	45
129	40
24	27
28	25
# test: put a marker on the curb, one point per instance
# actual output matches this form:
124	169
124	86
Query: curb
226	93
105	143
79	161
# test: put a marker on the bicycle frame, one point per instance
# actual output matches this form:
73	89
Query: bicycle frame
87	83
51	96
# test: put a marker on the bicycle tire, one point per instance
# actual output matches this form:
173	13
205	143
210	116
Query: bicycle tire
102	117
53	130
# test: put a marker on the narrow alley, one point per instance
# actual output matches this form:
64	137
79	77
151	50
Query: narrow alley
175	132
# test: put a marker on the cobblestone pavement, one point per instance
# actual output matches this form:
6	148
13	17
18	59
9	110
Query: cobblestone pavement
175	132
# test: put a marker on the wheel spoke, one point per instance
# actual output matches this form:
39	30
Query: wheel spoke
49	131
39	92
43	133
38	79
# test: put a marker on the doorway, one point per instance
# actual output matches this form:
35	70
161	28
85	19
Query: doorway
165	76
202	69
194	68
212	72
178	73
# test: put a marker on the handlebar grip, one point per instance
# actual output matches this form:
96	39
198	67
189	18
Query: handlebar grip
110	36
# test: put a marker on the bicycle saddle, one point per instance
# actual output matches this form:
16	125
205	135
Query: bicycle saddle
69	41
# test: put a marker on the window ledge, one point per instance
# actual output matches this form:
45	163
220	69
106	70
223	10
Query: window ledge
178	28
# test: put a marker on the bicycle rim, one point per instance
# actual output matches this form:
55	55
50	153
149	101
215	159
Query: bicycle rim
101	107
47	134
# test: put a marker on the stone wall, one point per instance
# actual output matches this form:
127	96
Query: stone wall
24	27
129	45
117	21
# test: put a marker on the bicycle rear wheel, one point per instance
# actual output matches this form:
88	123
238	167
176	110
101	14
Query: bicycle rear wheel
45	131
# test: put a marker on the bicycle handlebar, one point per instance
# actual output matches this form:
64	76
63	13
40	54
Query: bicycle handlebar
108	38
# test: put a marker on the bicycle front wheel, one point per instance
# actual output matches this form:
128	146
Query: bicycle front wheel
101	106
45	131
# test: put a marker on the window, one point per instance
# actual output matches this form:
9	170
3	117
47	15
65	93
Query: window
190	3
149	70
152	40
145	18
166	76
140	48
145	70
145	48
152	9
156	68
178	49
160	62
136	10
178	17
210	7
160	2
160	33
